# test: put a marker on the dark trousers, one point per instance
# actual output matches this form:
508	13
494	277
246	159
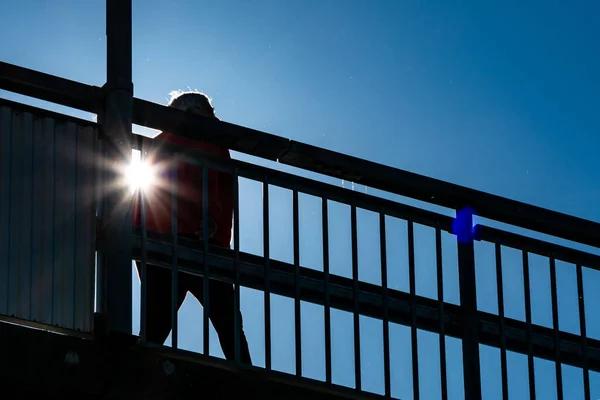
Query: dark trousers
221	304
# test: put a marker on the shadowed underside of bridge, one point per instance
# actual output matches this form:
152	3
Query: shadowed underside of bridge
57	366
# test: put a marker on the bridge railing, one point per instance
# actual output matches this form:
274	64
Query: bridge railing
117	109
73	291
352	294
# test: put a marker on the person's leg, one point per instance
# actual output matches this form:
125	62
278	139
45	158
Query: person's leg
221	313
158	302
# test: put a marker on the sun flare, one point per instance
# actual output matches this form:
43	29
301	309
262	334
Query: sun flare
139	174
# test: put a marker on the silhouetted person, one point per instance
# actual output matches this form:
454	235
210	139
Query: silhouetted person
189	226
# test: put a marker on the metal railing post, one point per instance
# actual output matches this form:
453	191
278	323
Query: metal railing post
115	257
463	229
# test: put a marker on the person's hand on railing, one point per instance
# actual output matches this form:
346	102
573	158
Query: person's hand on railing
212	229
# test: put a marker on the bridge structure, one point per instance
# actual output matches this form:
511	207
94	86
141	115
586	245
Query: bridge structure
67	245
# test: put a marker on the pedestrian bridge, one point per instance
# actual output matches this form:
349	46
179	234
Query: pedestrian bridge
66	248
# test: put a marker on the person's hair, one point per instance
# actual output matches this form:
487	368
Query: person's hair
186	101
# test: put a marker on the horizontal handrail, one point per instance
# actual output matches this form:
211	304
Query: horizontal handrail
307	157
539	247
364	201
289	181
40	112
49	87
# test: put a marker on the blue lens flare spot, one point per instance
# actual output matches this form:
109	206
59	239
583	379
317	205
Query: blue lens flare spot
463	227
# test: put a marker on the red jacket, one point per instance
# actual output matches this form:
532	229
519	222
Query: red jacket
189	205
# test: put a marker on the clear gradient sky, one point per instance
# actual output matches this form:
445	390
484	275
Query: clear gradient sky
498	96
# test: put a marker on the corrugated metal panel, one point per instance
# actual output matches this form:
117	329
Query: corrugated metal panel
47	212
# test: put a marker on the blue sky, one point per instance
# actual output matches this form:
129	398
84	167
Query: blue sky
500	97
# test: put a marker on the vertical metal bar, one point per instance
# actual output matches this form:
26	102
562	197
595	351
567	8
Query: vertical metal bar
66	267
355	290
89	227
385	294
559	385
440	293
413	293
327	314
21	205
116	123
144	262
36	278
80	233
5	200
99	189
37	232
297	309
28	227
118	46
54	233
206	277
267	256
70	228
583	333
58	229
530	363
174	253
500	289
50	221
33	257
236	266
15	204
468	302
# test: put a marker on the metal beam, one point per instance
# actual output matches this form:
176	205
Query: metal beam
49	87
233	137
114	261
468	301
442	193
